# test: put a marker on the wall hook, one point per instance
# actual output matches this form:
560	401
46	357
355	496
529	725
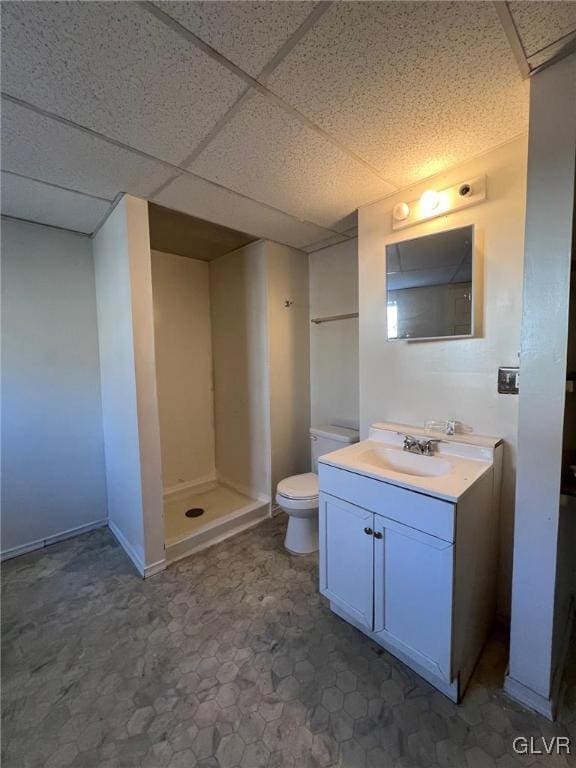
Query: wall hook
288	303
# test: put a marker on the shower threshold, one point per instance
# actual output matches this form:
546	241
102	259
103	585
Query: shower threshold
218	512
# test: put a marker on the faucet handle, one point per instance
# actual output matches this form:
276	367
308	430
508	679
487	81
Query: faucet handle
409	441
428	447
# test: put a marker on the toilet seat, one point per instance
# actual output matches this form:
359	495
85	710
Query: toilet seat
299	487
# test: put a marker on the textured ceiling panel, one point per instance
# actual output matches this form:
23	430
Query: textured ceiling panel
35	201
542	23
116	69
411	87
537	59
36	146
247	33
207	201
270	156
414	88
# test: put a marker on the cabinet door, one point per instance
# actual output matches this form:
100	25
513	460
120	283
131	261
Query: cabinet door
413	593
347	558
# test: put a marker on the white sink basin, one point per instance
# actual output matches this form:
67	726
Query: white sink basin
406	463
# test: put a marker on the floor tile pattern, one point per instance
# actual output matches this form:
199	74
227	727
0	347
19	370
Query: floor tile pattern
229	658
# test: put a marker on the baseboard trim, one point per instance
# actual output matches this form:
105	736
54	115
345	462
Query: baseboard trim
154	568
528	698
190	485
132	553
32	546
548	707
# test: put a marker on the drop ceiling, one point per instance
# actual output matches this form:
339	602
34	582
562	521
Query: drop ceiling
278	119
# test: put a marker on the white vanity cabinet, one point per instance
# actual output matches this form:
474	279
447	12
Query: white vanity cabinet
413	605
414	572
347	571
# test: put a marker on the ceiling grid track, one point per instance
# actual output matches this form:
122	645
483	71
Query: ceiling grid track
568	36
108	213
253	84
8	217
266	71
518	48
293	40
56	186
567	50
259	86
178	171
201	146
514	39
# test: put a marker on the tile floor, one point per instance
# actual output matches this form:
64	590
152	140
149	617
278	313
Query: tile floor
229	658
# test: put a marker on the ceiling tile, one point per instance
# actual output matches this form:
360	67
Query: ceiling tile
537	59
267	154
36	146
413	87
208	201
247	33
542	23
115	68
35	201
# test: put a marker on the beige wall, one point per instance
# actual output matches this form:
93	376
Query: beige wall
240	349
261	366
414	381
183	368
289	361
334	346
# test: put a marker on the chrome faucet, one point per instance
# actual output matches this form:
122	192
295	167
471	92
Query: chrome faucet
421	447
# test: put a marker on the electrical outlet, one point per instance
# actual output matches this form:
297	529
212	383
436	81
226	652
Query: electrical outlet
508	380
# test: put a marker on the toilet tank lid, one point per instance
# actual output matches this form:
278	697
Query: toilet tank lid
340	434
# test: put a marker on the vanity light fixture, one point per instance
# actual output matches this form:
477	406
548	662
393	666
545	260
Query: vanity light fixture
401	211
439	202
429	201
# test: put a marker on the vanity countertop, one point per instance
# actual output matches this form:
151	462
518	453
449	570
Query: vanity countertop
454	468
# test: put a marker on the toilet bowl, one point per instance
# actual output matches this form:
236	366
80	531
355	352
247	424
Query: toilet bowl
297	495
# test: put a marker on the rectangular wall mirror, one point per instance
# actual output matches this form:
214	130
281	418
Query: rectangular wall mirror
429	282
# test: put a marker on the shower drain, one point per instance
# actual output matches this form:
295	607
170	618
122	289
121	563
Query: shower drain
194	512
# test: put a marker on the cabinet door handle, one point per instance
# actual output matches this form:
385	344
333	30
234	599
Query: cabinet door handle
377	535
368	531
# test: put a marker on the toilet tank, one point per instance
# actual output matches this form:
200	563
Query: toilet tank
327	438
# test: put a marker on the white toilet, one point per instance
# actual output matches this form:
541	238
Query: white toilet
298	495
